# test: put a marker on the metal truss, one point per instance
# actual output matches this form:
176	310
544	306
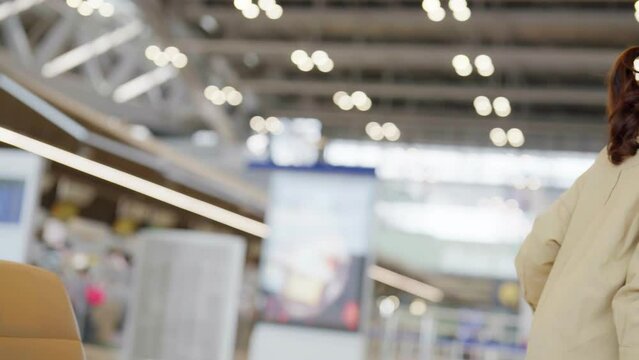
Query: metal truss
101	61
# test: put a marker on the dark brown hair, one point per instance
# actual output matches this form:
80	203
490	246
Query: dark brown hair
623	107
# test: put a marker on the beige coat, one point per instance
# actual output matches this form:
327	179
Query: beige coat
579	268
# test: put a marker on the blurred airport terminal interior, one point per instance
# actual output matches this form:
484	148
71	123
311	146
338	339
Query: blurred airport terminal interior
296	179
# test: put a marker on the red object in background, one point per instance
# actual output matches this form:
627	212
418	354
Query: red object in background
95	295
350	315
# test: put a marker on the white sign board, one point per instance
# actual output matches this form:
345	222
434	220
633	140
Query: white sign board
20	174
185	297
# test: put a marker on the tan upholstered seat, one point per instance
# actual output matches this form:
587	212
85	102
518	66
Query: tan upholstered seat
36	320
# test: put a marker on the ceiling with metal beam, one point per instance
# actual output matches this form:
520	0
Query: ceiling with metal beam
549	59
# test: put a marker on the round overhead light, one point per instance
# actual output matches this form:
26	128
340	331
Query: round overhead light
502	106
498	137
74	3
464	71
338	95
391	131
460	61
345	103
368	103
275	12
227	90
482	106
486	71
306	65
298	56
161	59
431	5
152	52
274	125
484	65
258	124
234	98
85	9
326	66
266	4
437	15
462	15
374	131
95	4
218	98
457	5
241	4
417	307
209	91
106	10
171	52
461	64
180	60
319	57
359	98
251	11
387	306
482	61
515	137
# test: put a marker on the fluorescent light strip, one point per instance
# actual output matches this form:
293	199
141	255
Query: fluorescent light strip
143	83
405	283
93	48
11	8
135	183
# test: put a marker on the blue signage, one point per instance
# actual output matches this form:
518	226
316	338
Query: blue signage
11	196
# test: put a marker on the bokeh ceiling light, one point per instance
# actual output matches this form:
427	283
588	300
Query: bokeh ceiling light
170	54
374	131
501	105
434	10
515	137
326	66
89	7
430	5
298	56
457	5
460	10
417	307
218	96
275	12
358	99
306	63
484	65
266	4
637	10
345	103
391	131
437	15
251	11
274	125
498	137
461	64
462	15
258	124
482	106
241	4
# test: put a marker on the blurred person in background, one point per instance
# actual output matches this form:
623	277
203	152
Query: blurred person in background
579	266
